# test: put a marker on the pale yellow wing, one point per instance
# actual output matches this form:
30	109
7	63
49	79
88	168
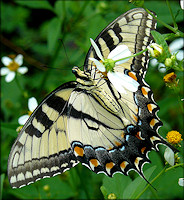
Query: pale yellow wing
42	148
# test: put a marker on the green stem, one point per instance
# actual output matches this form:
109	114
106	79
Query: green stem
138	196
175	30
24	93
174	21
164	170
134	55
172	167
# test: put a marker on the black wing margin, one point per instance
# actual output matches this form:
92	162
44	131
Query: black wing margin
42	148
133	29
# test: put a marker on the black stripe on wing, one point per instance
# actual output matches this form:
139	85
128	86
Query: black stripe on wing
42	148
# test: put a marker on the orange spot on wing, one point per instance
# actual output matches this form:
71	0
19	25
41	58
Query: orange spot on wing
149	107
123	164
94	162
135	117
132	76
143	149
117	143
136	161
123	134
79	151
110	148
109	165
144	91
152	122
138	135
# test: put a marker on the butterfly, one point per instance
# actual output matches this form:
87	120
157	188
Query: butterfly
88	120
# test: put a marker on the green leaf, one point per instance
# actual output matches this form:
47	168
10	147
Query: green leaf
2	180
159	39
169	36
136	186
59	8
9	128
138	3
115	185
54	29
36	5
56	189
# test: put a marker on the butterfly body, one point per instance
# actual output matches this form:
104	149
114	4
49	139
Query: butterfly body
88	120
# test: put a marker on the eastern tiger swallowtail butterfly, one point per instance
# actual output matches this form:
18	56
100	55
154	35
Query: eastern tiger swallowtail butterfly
88	120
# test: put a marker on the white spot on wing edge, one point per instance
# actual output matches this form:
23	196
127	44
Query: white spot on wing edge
28	175
20	177
36	172
44	170
13	179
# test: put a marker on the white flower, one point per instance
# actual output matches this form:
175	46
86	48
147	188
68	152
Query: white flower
182	4
12	65
175	48
181	182
118	79
155	50
169	156
32	104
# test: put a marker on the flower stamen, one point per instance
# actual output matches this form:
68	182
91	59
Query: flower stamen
13	66
174	137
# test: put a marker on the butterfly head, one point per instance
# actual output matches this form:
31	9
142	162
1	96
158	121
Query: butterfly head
82	77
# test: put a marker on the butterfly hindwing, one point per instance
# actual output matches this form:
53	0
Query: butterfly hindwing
104	137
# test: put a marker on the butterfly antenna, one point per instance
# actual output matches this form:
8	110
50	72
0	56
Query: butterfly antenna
65	51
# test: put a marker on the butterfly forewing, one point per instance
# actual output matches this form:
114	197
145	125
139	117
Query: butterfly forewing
133	29
42	148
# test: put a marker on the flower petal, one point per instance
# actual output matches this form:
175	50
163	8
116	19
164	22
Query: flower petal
182	4
169	156
4	71
10	76
98	64
96	49
6	60
176	45
180	55
154	62
19	59
22	120
181	182
120	52
161	68
127	82
32	104
115	81
22	70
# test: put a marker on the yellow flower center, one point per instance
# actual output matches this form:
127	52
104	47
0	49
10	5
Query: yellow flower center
19	128
29	113
174	137
46	187
13	66
170	78
112	196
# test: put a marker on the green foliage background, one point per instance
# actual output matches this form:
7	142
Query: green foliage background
38	30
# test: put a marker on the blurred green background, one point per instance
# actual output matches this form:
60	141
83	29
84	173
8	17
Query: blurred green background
55	34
